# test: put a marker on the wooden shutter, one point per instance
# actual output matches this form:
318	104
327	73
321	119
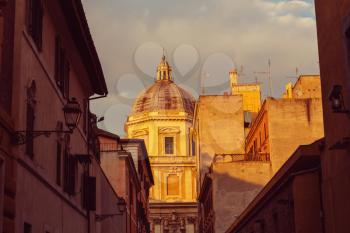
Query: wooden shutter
29	16
58	162
66	78
39	26
58	57
89	192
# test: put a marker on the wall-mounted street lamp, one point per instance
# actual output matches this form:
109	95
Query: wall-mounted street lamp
121	208
337	100
338	106
72	113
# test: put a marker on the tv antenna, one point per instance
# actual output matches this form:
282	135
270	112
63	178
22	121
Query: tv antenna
296	74
268	73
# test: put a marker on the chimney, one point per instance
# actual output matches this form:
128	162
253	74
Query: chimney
233	79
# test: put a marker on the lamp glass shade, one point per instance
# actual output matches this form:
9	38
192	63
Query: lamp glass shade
336	104
72	113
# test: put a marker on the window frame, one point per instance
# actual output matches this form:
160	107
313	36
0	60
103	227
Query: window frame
179	185
165	144
62	68
34	21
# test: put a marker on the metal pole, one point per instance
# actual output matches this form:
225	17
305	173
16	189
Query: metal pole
269	76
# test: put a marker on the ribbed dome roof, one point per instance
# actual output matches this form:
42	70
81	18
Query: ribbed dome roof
164	95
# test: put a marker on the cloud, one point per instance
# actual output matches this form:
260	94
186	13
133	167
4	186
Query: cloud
248	31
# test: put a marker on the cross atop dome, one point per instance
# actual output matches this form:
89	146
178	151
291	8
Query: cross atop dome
164	70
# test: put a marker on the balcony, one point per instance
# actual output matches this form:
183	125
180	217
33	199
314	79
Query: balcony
173	159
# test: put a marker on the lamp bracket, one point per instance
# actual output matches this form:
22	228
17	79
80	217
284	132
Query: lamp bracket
343	111
22	137
101	217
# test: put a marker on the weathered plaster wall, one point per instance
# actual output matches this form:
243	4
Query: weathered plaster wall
219	125
292	122
235	185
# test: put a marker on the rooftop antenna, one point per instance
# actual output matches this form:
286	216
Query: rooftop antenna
268	73
240	72
207	75
296	74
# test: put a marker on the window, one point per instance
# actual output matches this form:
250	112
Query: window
193	147
173	185
34	21
30	118
169	145
62	69
27	228
260	140
255	147
89	192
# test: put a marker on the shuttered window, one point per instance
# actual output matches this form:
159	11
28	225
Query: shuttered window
62	68
89	192
58	163
27	228
34	21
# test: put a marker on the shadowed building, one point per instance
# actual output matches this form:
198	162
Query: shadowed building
50	178
126	164
162	116
333	31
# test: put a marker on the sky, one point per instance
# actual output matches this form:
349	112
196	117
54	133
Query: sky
203	40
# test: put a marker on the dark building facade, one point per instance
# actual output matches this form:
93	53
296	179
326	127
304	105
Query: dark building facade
50	177
333	29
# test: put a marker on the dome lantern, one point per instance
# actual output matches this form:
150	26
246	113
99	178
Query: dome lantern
164	70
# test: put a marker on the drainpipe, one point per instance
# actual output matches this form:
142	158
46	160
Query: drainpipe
323	229
88	150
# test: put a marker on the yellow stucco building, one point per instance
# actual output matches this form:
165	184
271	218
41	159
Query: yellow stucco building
162	115
251	93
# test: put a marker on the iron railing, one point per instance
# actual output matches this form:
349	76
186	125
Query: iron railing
108	147
172	159
227	158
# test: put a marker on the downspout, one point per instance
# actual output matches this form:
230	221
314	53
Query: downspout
88	150
321	201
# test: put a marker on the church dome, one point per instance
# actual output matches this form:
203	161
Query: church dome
164	94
